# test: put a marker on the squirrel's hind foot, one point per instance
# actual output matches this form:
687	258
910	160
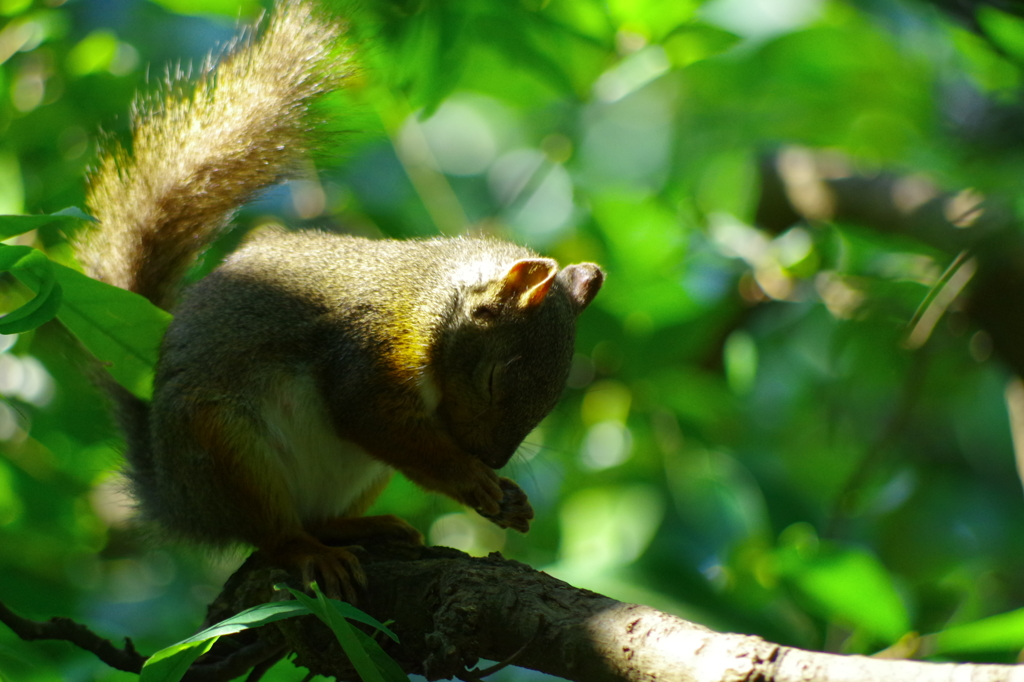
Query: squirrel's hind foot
336	570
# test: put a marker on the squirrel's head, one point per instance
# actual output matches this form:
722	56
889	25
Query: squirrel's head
503	355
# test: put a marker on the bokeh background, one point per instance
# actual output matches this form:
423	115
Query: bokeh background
786	415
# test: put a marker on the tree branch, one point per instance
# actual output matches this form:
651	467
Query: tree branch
450	610
127	659
988	231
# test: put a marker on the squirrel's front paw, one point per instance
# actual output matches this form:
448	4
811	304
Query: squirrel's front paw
515	511
482	490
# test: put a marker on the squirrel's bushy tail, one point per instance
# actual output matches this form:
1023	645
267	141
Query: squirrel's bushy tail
197	157
194	159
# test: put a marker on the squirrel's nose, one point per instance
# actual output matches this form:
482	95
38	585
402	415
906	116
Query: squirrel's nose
498	456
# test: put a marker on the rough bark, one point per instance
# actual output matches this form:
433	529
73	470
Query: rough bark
450	610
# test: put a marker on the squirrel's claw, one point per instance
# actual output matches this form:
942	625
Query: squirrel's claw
335	569
338	573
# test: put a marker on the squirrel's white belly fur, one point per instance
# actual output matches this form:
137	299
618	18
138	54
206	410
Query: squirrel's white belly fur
325	474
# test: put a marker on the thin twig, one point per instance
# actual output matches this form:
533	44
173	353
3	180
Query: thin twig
127	659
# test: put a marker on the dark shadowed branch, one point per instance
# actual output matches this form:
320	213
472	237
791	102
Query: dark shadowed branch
65	629
450	610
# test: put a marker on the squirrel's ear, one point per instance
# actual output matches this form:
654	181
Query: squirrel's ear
584	280
527	282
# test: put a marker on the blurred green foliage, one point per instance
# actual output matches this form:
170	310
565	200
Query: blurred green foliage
748	438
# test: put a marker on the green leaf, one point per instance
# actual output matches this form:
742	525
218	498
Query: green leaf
119	327
352	646
30	265
522	49
13	225
94	54
740	360
655	17
1005	29
346	610
693	42
727	184
367	659
1004	632
313	605
387	666
170	664
649	246
252	618
847	584
352	613
357	655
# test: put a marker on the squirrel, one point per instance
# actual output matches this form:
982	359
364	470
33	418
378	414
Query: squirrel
309	366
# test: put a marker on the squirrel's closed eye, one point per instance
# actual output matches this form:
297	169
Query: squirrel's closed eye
492	379
484	313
